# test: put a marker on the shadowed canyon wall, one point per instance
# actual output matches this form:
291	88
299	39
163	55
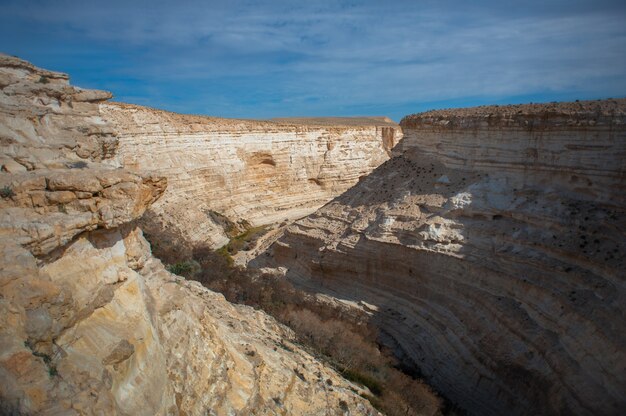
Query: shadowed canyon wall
256	172
490	251
90	322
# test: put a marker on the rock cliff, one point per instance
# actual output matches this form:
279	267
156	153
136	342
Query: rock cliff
90	322
228	173
490	250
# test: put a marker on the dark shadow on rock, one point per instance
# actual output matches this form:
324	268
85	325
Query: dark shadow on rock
517	315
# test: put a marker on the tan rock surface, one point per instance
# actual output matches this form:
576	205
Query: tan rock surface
491	252
90	322
259	172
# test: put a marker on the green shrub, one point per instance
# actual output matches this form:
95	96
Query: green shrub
223	252
372	384
184	268
229	227
43	80
7	192
246	240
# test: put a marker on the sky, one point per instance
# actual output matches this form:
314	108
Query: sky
262	59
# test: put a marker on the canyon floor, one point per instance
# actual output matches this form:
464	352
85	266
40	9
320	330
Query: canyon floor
481	251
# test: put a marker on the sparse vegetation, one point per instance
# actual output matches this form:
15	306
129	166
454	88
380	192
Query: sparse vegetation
245	240
223	252
184	268
371	383
43	80
333	333
230	228
7	192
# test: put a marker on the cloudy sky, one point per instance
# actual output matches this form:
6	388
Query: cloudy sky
261	59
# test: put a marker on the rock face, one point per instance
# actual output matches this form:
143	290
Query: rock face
244	172
90	322
491	252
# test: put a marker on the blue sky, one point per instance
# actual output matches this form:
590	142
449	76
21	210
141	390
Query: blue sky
262	59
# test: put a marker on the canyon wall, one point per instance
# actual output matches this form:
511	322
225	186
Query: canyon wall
226	173
90	322
490	251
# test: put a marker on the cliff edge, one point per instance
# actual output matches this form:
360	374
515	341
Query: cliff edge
490	251
90	322
226	175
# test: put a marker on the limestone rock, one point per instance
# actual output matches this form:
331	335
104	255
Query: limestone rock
90	322
503	284
87	333
45	122
249	172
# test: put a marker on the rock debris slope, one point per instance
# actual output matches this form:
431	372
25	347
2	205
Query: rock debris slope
90	322
243	171
491	252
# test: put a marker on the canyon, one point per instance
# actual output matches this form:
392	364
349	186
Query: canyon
90	321
490	251
486	244
224	175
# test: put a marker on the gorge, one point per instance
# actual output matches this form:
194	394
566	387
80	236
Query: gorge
492	249
242	171
486	244
90	322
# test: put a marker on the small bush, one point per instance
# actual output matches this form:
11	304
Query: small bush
230	228
223	252
374	386
184	268
43	80
245	241
7	192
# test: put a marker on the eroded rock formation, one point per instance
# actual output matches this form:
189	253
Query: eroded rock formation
491	252
90	322
224	173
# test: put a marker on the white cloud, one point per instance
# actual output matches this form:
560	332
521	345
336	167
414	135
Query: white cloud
385	53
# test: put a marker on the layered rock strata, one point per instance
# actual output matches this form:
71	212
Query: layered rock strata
226	174
90	322
490	251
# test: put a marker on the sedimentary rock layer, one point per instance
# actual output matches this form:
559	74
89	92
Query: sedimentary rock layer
90	322
256	172
491	251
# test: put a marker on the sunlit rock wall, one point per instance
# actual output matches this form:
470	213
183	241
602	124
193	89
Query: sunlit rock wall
259	172
90	322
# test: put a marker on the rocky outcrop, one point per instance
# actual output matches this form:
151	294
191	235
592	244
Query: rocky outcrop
490	250
103	328
226	174
90	322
